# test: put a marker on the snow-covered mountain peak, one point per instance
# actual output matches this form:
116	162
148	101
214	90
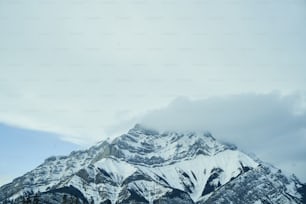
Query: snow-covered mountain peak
141	129
150	166
150	147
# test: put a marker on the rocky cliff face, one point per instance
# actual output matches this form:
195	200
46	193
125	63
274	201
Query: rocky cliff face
145	166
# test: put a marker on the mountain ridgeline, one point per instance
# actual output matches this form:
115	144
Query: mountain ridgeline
146	166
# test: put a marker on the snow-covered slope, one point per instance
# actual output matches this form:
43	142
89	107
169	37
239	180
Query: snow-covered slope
145	166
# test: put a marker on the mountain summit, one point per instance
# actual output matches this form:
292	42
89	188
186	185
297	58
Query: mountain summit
146	166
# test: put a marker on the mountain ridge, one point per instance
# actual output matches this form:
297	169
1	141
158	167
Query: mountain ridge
146	166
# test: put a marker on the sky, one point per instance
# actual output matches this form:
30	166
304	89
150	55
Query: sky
78	72
24	149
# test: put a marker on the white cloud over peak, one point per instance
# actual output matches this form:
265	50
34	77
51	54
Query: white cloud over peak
272	126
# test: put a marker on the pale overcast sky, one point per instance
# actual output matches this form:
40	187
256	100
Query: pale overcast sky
81	68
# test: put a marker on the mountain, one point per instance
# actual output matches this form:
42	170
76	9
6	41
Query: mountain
146	166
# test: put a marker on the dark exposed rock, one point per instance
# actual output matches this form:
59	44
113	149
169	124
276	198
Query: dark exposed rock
175	196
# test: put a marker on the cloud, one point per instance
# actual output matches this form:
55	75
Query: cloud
77	68
272	126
